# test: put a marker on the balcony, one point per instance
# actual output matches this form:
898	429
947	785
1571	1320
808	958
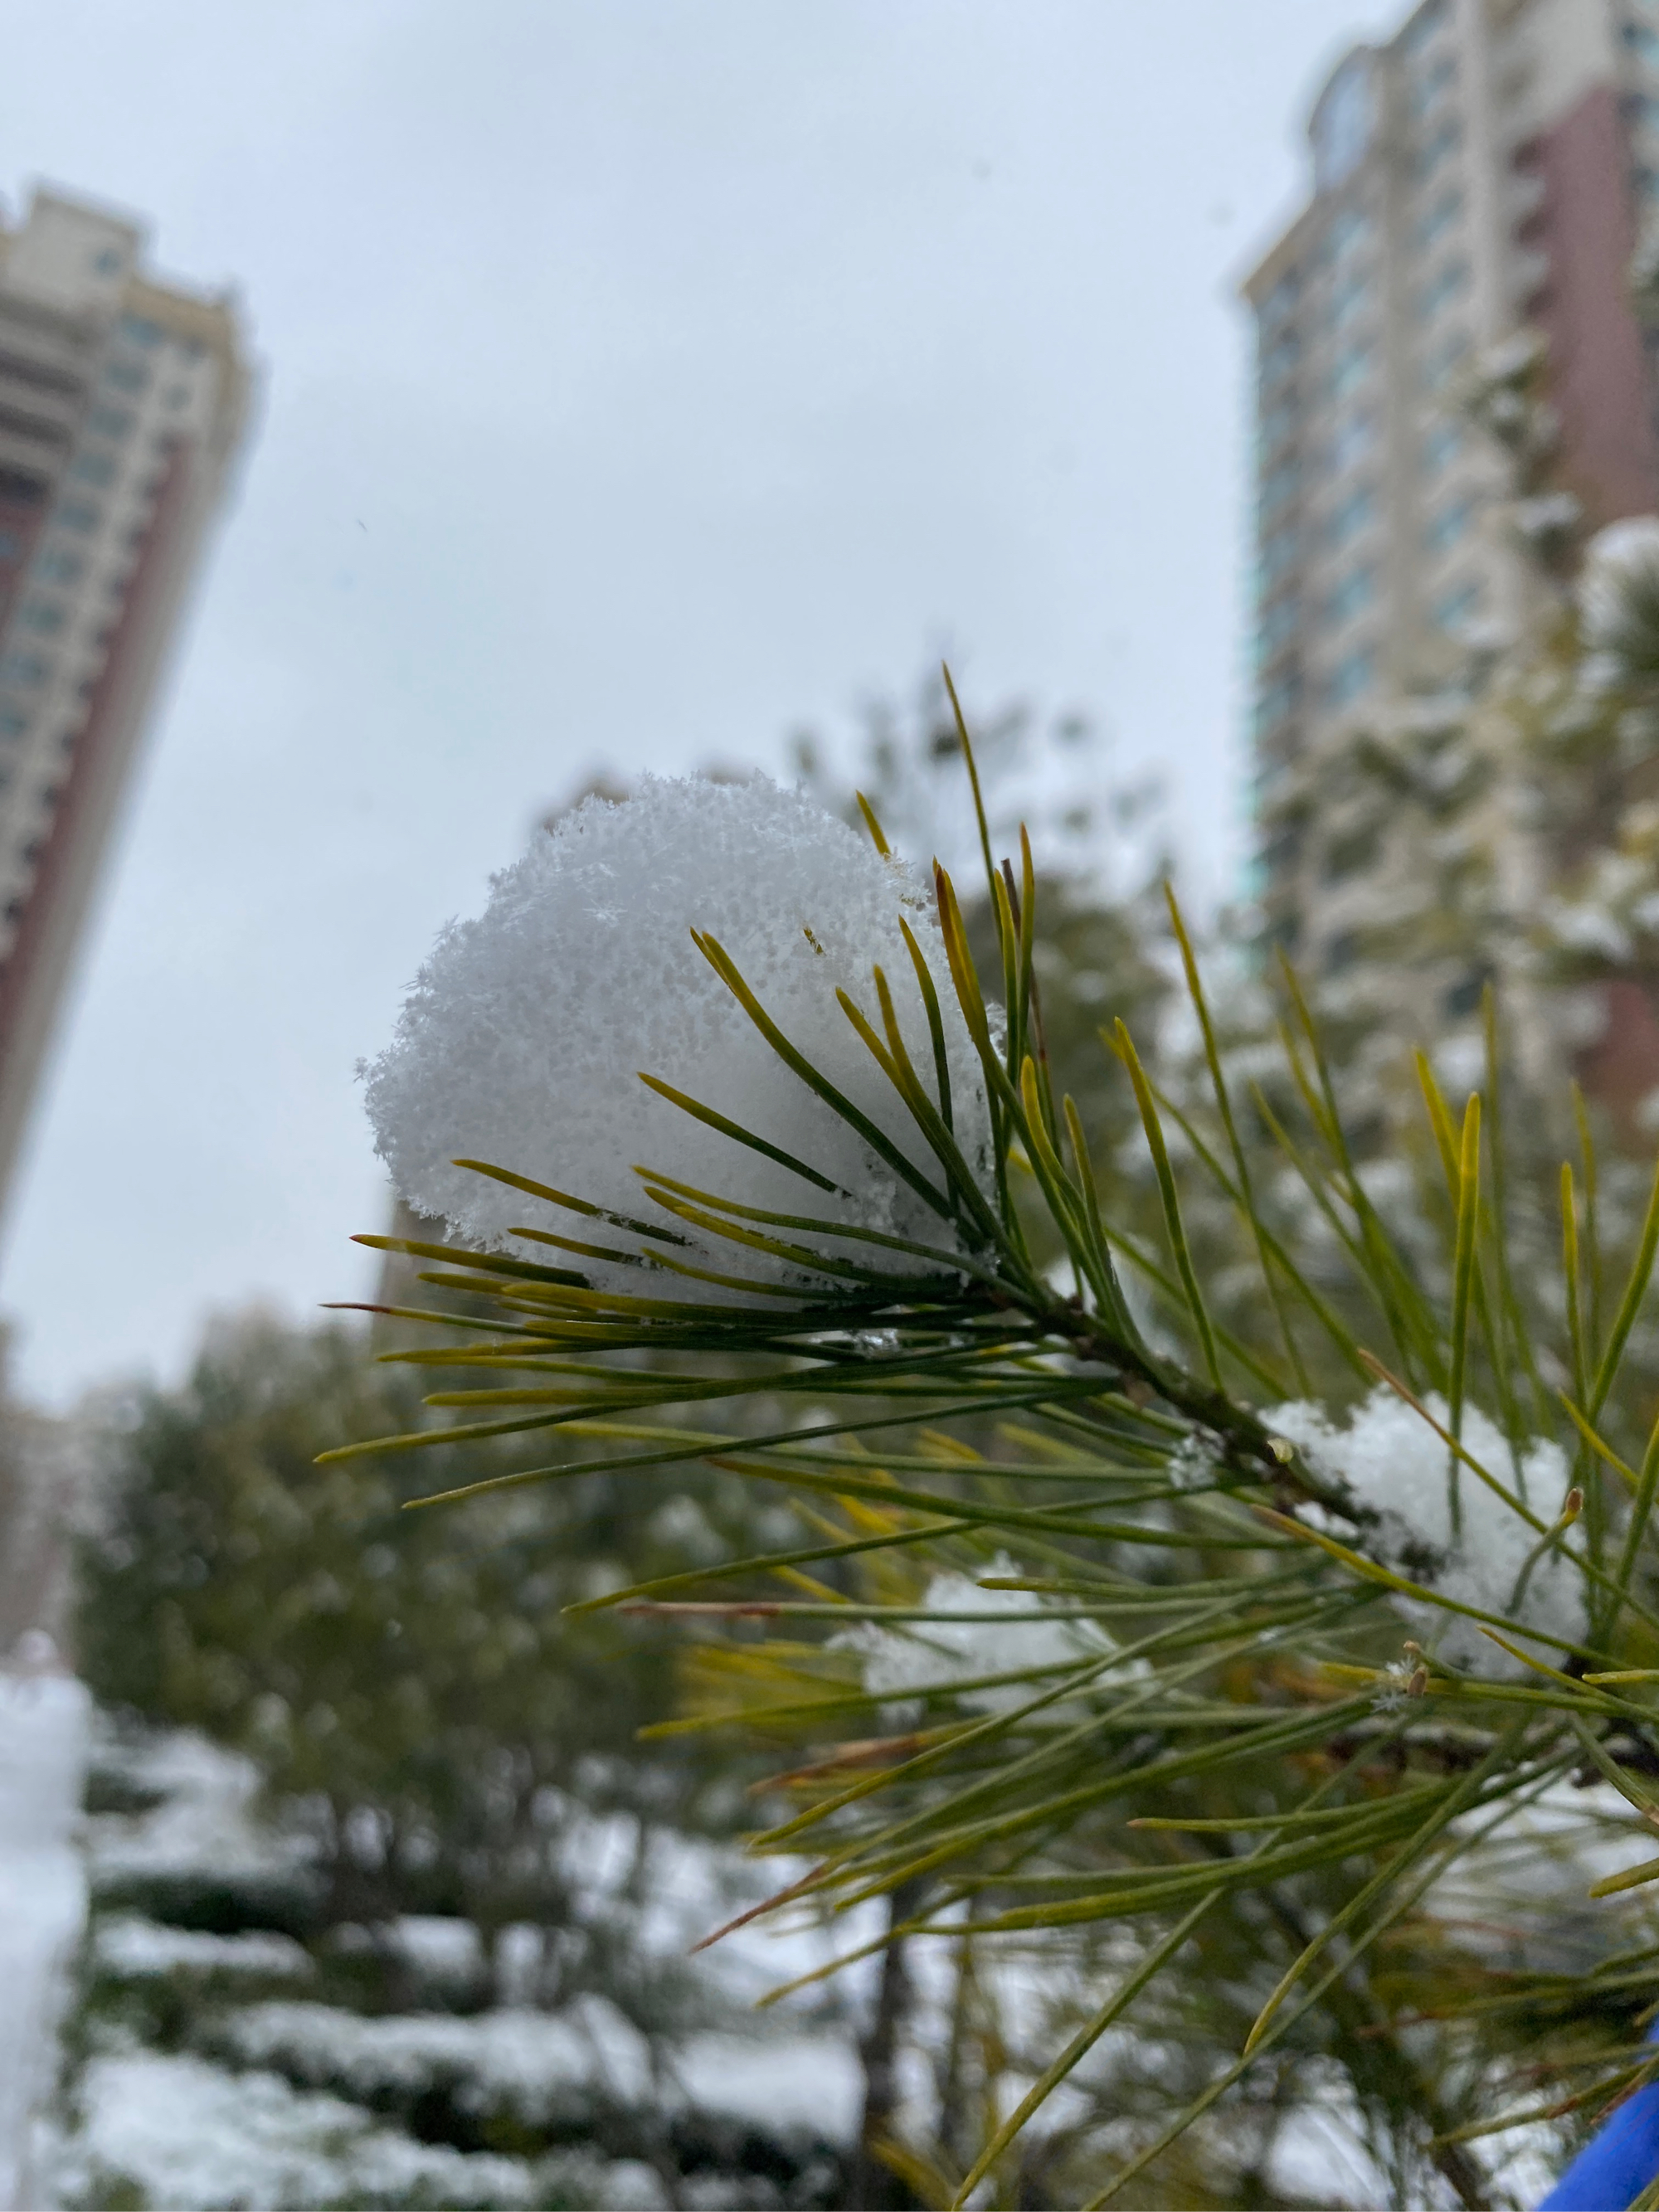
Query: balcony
1525	196
44	404
26	419
1528	273
22	453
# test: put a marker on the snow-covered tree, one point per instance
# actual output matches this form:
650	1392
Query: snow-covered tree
376	1860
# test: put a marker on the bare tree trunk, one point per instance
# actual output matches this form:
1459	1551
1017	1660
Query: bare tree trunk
876	2187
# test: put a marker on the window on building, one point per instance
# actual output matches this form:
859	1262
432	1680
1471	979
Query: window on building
78	514
1277	627
1280	486
1351	678
1643	41
13	722
1341	951
1457	606
97	469
1279	303
138	330
107	261
1352	594
11	545
1278	422
1423	26
1350	369
41	616
1342	123
1450	525
1442	446
1352	515
21	487
1278	701
25	670
1436	79
39	375
1349	297
1442	361
1438	218
109	422
126	372
1351	440
1349	230
1280	549
1280	357
1438	148
1267	781
59	564
1446	285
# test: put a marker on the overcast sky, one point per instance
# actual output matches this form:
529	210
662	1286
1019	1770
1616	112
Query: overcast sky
638	380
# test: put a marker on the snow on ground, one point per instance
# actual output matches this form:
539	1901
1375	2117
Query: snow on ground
43	1737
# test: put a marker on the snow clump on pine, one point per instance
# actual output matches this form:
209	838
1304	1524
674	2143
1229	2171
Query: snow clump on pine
1395	1462
524	1038
1623	555
971	1634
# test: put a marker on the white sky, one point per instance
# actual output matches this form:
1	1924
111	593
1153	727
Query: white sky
640	380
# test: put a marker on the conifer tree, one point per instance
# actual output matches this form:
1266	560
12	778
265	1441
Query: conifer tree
1072	1552
453	1839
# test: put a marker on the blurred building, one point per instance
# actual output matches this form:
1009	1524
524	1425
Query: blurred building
123	399
1480	186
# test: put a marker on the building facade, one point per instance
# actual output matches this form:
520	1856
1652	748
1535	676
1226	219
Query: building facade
1480	184
123	400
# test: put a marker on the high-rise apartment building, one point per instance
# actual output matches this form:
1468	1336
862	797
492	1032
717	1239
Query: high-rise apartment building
122	402
1480	184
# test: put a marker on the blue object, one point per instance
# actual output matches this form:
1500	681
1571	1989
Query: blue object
1619	2160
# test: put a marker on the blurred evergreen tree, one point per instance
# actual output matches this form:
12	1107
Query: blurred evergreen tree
436	1743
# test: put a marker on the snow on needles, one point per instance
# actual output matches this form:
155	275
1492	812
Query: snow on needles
524	1038
999	1635
1393	1461
1623	554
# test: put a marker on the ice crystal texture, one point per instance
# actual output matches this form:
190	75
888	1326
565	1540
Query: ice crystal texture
524	1038
1393	1461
